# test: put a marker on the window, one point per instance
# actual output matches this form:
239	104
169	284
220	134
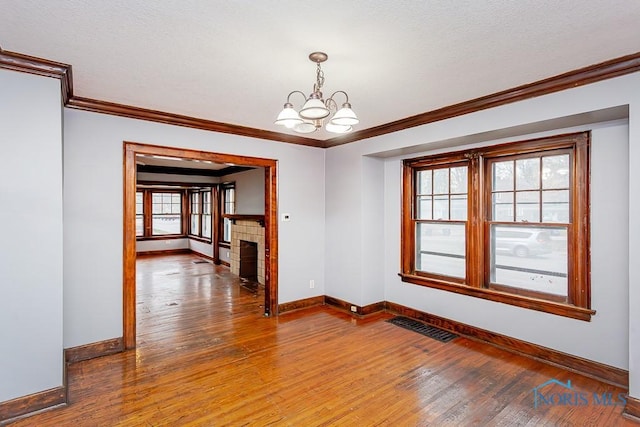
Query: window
508	223
200	213
139	213
228	207
158	213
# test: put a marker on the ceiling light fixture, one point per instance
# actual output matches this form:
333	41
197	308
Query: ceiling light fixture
315	109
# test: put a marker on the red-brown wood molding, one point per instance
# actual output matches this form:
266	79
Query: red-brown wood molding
590	74
601	372
300	304
93	350
632	409
31	403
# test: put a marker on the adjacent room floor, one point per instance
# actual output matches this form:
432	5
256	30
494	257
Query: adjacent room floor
207	356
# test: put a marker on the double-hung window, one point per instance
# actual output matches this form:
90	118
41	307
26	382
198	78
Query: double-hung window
509	223
227	207
159	213
200	213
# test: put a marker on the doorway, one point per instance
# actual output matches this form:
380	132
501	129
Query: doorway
131	149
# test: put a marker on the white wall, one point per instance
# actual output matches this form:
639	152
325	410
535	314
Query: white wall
162	245
93	207
351	179
249	191
31	263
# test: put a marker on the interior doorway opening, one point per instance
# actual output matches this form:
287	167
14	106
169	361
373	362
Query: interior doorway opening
131	150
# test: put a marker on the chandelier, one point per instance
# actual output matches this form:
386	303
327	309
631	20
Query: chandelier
315	109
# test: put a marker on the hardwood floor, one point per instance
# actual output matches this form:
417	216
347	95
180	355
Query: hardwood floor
207	356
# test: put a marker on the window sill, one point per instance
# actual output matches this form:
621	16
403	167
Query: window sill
224	245
551	307
199	239
165	237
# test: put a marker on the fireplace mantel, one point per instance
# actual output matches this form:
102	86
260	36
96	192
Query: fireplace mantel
235	217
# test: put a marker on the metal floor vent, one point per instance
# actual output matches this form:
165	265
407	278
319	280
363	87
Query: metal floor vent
421	328
201	261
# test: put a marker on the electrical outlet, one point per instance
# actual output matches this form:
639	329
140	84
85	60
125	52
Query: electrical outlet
228	254
354	309
312	284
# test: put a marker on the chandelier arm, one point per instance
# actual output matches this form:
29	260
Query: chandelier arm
339	91
296	91
331	104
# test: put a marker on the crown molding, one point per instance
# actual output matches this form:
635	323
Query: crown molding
121	110
605	70
41	67
590	74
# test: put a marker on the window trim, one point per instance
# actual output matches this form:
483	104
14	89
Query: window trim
201	215
147	218
578	305
222	213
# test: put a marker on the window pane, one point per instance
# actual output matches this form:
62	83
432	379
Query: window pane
502	204
139	203
206	202
424	181
555	171
166	224
441	207
226	233
440	249
195	224
459	207
530	258
441	181
528	174
555	206
424	207
528	206
502	173
458	179
139	225
156	198
206	226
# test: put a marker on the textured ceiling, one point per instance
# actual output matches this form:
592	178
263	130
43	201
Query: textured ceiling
235	61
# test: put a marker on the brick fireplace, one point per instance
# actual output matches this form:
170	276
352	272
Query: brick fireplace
248	230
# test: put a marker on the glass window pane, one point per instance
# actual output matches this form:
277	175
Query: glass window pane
195	224
424	207
226	233
441	181
440	249
459	207
139	225
424	181
157	208
156	197
502	176
459	176
555	206
441	207
555	171
206	226
528	206
531	258
528	174
166	224
502	207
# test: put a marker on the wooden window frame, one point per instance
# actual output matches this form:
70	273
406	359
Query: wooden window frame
222	214
476	283
148	214
197	235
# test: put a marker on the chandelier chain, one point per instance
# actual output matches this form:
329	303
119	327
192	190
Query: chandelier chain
319	78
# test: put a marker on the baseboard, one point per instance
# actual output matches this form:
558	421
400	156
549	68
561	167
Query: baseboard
167	252
34	402
632	409
599	371
300	304
93	350
353	308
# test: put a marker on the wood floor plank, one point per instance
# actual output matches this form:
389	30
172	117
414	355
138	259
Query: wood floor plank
207	356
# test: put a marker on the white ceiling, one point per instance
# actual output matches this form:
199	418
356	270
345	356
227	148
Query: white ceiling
235	61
